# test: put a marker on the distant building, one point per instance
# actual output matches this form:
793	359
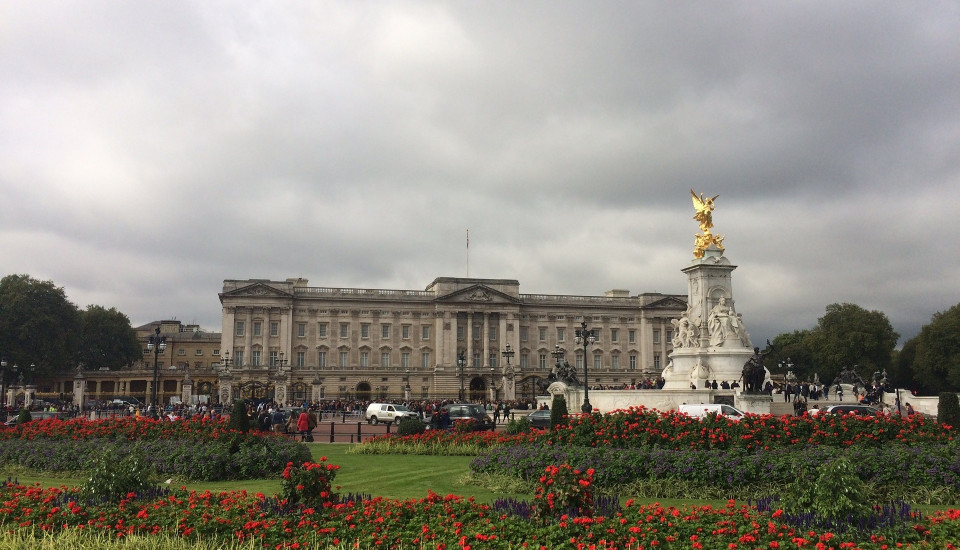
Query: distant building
292	342
189	351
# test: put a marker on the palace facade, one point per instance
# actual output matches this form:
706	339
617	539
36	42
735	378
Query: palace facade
476	338
479	339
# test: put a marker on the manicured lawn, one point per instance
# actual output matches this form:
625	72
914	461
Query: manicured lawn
391	476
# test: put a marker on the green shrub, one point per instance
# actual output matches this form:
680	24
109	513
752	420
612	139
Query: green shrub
113	480
24	417
238	417
518	426
948	410
558	411
837	495
410	425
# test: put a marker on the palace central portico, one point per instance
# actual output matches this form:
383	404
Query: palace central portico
479	338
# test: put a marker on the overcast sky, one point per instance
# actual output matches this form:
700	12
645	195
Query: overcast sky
150	150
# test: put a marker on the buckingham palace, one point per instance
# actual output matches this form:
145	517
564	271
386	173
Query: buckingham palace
472	338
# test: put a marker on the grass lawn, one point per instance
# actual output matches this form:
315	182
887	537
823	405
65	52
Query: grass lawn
391	476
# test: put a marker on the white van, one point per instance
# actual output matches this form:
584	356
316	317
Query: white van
386	412
701	410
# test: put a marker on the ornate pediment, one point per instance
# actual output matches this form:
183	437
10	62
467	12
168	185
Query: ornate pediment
669	302
479	294
257	290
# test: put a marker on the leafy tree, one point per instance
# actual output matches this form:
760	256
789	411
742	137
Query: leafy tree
849	336
38	325
795	348
935	352
107	340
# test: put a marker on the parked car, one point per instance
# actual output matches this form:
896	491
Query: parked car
540	419
468	412
701	410
386	412
863	410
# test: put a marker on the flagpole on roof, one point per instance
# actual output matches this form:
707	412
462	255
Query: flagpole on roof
468	253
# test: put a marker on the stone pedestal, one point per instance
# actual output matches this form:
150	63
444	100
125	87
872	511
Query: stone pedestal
756	403
710	341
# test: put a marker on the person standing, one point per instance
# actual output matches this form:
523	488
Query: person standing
303	424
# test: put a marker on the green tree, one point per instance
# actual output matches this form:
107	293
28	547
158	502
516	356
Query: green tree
107	339
849	336
792	348
38	325
936	353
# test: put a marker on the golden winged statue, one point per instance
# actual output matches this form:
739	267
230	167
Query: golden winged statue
704	215
704	208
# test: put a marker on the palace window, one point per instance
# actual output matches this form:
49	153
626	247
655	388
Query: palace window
385	331
560	334
633	362
425	332
321	330
301	359
344	330
257	325
425	360
256	358
632	336
614	335
274	328
385	359
343	359
239	328
301	330
321	359
364	330
405	360
405	332
364	359
543	360
656	336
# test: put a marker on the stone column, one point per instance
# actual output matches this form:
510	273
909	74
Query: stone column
79	390
186	394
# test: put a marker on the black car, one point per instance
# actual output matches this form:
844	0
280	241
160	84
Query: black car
540	419
466	412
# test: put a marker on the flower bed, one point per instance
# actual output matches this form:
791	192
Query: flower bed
920	471
641	427
199	450
441	523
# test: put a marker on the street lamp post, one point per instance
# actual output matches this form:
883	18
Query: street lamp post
156	344
558	354
406	389
585	337
508	355
461	363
